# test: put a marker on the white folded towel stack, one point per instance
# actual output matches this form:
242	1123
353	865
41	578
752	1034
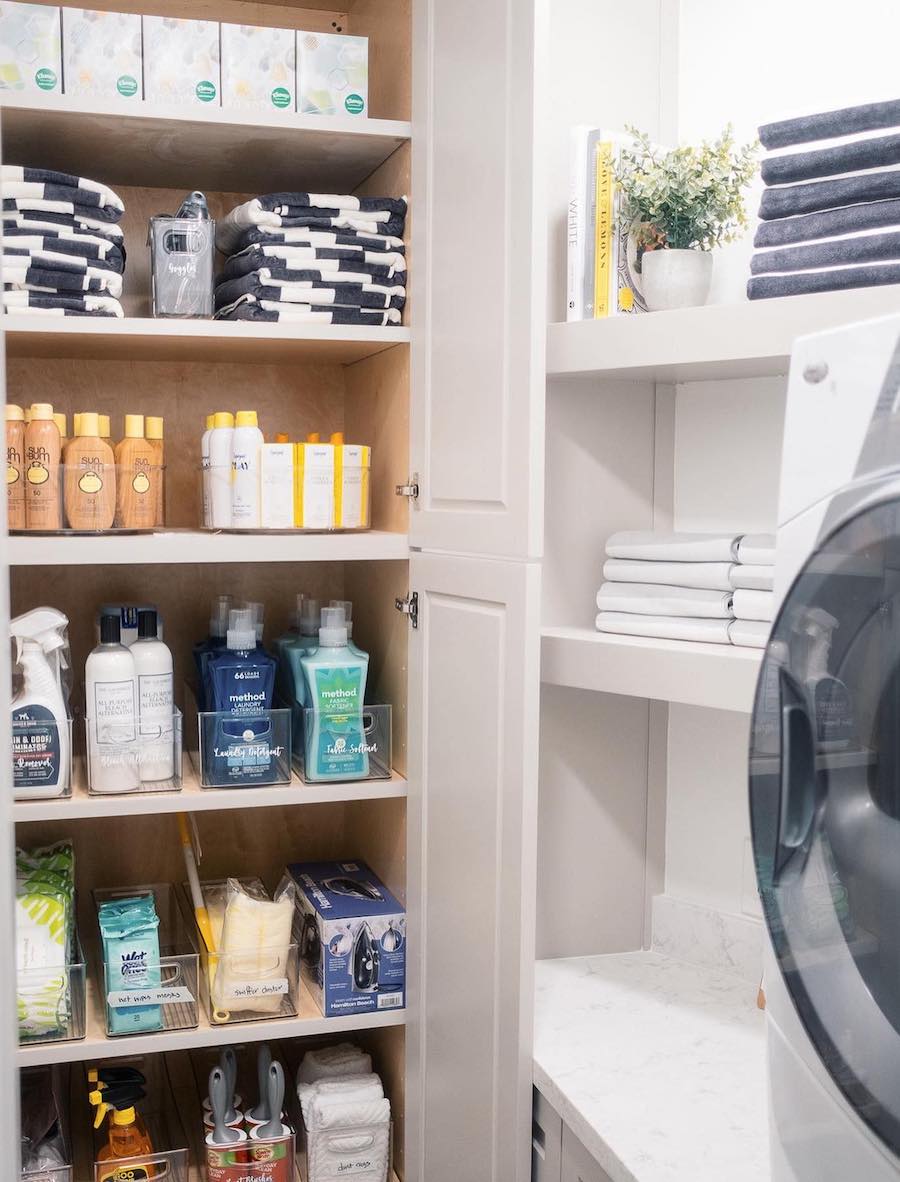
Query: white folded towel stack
346	1115
685	586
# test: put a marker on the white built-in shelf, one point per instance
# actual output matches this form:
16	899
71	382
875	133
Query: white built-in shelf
157	146
194	799
722	676
194	546
97	1045
141	338
749	339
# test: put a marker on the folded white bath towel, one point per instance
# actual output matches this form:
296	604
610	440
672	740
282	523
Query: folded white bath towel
349	1115
665	627
648	600
673	547
710	576
757	550
754	605
753	577
355	1089
325	1062
749	633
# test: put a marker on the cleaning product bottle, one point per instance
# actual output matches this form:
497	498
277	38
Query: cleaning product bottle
89	484
155	683
220	445
258	612
154	429
245	491
15	466
215	639
335	745
283	683
111	703
204	467
137	491
240	683
40	739
305	642
832	709
125	1140
347	605
43	504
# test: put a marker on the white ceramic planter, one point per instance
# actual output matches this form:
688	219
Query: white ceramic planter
675	278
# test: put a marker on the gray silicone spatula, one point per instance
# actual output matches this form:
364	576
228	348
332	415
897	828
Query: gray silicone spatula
228	1064
262	1112
219	1100
273	1126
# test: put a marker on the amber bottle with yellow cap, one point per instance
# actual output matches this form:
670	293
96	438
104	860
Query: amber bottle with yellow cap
89	483
137	478
154	432
43	504
15	466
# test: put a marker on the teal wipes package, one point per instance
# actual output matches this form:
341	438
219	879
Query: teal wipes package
129	929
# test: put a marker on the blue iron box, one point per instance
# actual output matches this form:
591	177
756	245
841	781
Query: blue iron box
353	939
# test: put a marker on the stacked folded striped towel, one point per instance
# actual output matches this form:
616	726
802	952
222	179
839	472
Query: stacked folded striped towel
316	257
830	211
685	586
63	252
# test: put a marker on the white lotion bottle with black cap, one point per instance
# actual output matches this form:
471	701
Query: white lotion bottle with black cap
112	714
155	684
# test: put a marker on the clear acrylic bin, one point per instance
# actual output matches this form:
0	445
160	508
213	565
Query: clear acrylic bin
35	1084
269	1160
182	262
34	750
238	751
60	1016
128	758
342	747
143	994
170	1160
246	985
94	497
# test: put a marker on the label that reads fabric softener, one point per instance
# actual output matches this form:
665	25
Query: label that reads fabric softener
35	748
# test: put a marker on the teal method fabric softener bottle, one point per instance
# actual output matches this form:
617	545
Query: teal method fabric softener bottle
335	744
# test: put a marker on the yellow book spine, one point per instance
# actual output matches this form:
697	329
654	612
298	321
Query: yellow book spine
604	230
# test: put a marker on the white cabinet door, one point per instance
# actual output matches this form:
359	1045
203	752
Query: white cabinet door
477	276
474	683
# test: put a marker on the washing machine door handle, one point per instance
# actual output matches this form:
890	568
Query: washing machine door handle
798	794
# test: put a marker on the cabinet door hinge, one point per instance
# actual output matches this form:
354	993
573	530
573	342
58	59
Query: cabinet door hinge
410	607
410	489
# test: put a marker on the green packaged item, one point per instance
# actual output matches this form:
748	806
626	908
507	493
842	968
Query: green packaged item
45	930
129	929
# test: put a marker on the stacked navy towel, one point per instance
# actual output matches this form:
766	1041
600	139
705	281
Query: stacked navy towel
316	257
63	252
830	211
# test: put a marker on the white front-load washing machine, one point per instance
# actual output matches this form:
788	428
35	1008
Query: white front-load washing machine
825	766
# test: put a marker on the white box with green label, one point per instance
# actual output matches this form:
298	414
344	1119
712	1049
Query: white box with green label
102	54
332	74
181	61
30	47
259	68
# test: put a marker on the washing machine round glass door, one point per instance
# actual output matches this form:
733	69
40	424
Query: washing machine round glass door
825	807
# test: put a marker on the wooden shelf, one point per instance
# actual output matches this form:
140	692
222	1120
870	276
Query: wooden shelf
145	339
194	799
97	1045
719	341
158	146
193	546
715	675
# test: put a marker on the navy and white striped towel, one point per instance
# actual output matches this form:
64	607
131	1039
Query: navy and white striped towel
92	192
248	307
100	251
41	304
315	291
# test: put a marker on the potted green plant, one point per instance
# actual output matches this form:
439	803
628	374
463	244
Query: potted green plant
679	204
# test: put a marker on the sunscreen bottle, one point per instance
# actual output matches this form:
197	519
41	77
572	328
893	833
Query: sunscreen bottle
154	429
137	486
15	466
89	483
43	508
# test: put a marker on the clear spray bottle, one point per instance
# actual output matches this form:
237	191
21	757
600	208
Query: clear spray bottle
41	739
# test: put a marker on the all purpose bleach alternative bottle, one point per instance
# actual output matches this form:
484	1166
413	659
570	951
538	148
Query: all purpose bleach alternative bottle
40	722
336	747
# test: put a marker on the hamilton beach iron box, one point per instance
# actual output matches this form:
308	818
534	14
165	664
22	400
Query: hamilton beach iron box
353	939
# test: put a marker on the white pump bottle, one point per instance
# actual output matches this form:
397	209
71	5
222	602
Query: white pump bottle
41	740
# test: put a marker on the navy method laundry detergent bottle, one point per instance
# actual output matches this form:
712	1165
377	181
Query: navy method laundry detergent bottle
240	684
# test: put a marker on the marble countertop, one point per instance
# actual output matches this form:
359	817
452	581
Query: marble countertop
657	1066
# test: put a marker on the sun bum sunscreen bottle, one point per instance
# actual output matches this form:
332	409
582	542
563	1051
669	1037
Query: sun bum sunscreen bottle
137	486
204	467
154	428
220	442
241	680
314	485
352	466
43	504
335	744
40	738
155	684
246	443
15	466
112	712
89	481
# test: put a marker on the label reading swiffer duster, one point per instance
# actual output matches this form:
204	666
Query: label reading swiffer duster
35	749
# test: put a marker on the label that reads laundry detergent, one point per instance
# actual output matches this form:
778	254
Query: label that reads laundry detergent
35	750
